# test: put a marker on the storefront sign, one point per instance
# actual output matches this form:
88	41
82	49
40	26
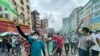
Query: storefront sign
9	27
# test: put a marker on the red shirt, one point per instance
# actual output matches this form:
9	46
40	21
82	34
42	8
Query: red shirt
55	37
60	42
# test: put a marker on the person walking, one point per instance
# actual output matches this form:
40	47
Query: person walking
60	44
95	50
83	40
36	45
66	44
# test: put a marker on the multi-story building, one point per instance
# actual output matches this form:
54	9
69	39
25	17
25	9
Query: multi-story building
36	22
66	25
74	18
90	13
23	9
96	8
96	15
44	25
3	12
86	14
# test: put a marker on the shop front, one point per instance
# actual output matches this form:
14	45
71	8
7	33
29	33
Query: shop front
8	26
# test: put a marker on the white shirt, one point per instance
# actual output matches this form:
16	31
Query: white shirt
98	35
96	46
45	35
83	42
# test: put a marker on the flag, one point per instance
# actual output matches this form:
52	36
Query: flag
8	5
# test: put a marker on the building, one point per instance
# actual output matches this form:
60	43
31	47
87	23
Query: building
95	21
86	14
51	30
36	22
90	13
74	19
66	25
23	9
44	25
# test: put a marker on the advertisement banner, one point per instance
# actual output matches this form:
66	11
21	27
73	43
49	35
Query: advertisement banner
96	23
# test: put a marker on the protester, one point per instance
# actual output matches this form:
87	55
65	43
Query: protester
60	44
14	42
74	41
52	46
83	40
4	45
35	45
66	44
96	48
18	47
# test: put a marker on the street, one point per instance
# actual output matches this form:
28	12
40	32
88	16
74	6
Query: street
4	54
42	27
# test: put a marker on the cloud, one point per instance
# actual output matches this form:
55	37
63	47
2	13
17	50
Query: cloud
55	10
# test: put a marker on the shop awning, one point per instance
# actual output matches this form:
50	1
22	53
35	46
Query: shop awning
5	33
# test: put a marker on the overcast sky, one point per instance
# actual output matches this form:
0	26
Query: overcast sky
55	10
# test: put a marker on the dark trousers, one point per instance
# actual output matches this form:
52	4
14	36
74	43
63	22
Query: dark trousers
82	52
95	53
66	45
59	51
73	48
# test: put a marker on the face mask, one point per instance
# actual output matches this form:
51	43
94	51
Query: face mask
34	37
49	38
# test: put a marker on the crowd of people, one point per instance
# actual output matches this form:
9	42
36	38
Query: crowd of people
11	45
86	43
89	41
83	42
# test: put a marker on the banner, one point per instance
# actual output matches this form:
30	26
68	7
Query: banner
96	23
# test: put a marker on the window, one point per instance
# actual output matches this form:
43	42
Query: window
22	8
22	2
5	8
7	16
0	8
22	15
23	21
27	0
27	7
14	2
1	16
